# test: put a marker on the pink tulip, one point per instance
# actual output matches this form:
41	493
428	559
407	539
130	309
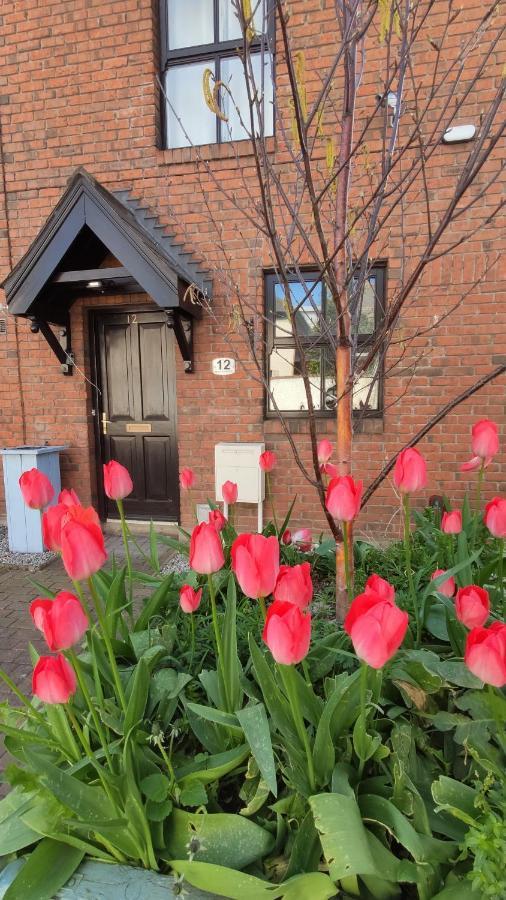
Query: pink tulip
375	584
62	621
343	498
410	471
286	537
53	680
52	519
475	463
267	460
189	599
287	632
206	551
217	519
294	585
484	443
376	627
117	481
229	492
187	479
472	606
485	654
330	469
451	523
447	587
303	539
82	543
495	517
325	450
36	488
255	563
69	497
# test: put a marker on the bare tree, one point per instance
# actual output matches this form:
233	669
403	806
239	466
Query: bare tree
356	147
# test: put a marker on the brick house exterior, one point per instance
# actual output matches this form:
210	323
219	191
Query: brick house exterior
79	91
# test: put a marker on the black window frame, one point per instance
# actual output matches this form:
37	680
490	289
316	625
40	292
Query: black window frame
214	52
314	342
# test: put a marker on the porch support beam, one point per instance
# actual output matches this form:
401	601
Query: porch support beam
61	349
183	331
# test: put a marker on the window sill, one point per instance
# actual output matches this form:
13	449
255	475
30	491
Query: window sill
209	152
299	424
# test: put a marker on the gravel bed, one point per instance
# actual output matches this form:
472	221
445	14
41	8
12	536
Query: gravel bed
29	561
177	563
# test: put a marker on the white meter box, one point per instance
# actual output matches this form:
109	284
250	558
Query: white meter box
239	463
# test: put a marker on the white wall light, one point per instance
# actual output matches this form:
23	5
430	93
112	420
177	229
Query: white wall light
458	134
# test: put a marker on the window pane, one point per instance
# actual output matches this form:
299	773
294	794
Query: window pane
307	316
367	312
236	107
230	28
191	23
286	382
365	393
185	99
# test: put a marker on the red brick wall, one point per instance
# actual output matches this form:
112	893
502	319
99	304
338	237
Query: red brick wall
78	87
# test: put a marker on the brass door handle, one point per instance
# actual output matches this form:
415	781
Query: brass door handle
105	423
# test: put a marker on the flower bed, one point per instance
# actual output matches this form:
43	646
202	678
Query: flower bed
230	733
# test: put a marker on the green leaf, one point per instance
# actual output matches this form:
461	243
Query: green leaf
155	787
273	699
456	798
46	870
342	834
315	885
463	890
158	812
87	802
115	602
287	518
423	848
306	848
364	744
194	795
231	662
215	767
254	723
227	839
138	696
14	834
157	602
166	684
227	720
153	548
222	881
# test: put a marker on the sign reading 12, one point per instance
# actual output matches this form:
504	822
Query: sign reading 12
224	365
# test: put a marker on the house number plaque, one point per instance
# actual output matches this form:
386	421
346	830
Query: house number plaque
225	365
138	428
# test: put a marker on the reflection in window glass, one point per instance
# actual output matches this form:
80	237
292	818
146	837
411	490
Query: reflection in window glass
183	85
367	307
230	28
191	23
236	107
366	390
286	382
307	316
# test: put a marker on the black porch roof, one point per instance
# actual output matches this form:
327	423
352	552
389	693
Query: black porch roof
87	225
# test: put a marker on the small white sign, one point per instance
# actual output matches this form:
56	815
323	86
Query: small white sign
225	365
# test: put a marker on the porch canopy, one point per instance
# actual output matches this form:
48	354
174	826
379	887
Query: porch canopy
68	259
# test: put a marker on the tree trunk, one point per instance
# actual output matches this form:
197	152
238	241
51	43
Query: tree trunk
343	447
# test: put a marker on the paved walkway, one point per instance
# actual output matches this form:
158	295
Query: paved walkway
16	594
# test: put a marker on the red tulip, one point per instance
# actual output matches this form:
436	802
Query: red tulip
485	654
303	539
495	517
52	519
189	599
447	587
410	472
325	450
484	443
472	606
294	585
53	680
255	563
206	551
36	488
376	627
217	519
229	492
286	537
82	542
187	479
62	621
343	498
267	460
117	481
287	632
375	584
451	523
69	497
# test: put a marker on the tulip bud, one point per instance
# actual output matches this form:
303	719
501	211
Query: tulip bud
287	632
36	488
53	680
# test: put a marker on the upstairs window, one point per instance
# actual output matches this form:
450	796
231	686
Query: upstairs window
315	318
201	43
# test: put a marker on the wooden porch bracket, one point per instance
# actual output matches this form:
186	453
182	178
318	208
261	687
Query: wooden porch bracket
183	331
61	347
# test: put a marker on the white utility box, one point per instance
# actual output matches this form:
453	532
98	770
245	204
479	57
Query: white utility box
240	463
24	524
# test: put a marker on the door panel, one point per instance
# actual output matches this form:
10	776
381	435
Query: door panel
138	414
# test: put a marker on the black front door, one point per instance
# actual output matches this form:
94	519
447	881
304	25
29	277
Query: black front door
138	409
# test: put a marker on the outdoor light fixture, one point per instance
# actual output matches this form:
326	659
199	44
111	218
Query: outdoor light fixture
457	134
94	284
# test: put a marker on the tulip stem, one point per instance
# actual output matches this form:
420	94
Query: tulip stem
261	603
89	754
500	576
346	548
107	642
363	697
192	652
217	638
24	700
287	676
124	532
89	702
409	569
271	500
